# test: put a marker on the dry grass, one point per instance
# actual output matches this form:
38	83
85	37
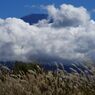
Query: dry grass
39	82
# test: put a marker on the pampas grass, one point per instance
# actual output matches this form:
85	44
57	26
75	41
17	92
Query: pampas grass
28	81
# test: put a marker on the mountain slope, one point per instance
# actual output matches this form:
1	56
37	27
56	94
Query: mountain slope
34	18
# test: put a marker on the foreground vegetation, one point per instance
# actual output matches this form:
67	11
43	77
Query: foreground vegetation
26	79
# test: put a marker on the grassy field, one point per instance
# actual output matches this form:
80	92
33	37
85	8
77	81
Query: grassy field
27	79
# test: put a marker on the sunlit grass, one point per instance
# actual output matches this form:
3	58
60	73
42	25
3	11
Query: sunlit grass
28	79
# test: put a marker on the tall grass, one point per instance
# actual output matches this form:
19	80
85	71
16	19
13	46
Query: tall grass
28	79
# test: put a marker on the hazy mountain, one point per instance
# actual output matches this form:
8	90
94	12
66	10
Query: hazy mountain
47	62
34	18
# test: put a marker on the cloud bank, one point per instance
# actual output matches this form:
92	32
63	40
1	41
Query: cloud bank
70	36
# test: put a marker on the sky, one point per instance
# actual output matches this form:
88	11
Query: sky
70	36
20	8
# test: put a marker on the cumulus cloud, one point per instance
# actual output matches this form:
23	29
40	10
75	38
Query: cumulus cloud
68	15
71	35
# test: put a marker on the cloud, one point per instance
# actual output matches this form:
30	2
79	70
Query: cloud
71	35
93	10
36	6
68	15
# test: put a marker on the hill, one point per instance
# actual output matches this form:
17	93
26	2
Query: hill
34	18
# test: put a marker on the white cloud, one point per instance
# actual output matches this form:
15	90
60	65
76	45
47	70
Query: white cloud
68	15
70	36
36	6
93	10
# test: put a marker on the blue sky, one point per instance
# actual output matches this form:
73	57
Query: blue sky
19	8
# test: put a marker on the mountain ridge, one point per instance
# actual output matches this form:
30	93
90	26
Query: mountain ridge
34	18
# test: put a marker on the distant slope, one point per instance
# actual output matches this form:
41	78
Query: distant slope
34	18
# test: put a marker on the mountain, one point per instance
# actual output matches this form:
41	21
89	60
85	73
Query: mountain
51	65
34	18
47	62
